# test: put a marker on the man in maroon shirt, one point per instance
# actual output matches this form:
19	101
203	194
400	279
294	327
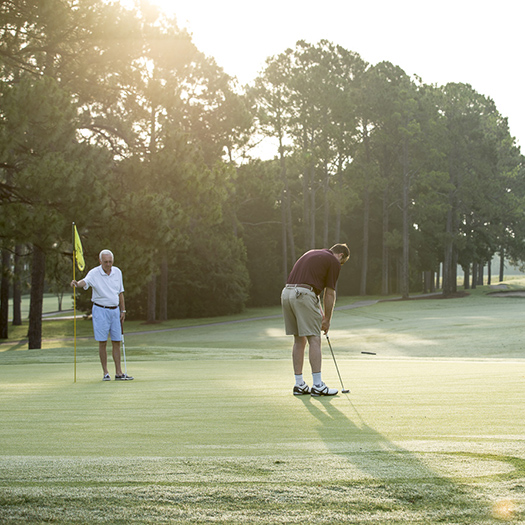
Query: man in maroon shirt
304	318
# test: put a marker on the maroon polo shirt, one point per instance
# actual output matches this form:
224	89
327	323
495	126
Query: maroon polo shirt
318	268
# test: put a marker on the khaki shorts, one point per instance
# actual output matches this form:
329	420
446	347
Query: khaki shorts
301	312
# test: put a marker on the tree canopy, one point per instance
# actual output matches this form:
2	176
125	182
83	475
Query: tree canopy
112	118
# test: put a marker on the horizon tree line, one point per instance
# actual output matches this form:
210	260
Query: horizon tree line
113	119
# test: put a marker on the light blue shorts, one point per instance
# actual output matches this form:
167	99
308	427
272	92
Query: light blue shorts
106	321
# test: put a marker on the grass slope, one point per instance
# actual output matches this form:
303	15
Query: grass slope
432	431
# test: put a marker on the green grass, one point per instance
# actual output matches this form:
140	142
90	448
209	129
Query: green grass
432	431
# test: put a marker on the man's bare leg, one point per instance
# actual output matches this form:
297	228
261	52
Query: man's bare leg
299	345
103	356
116	357
314	353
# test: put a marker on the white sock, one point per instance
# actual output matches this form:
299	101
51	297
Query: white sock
299	379
317	378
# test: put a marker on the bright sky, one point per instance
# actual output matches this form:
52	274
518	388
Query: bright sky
477	42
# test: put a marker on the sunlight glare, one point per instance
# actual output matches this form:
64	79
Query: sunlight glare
240	36
504	509
225	31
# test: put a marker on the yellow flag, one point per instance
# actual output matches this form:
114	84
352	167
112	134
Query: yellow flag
79	254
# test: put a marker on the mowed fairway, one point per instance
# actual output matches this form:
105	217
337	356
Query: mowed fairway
432	431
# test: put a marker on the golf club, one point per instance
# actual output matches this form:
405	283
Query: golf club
124	349
369	353
344	390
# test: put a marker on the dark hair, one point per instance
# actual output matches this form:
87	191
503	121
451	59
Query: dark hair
341	248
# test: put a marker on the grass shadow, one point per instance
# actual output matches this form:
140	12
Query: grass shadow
396	475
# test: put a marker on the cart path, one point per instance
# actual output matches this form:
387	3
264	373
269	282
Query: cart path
49	317
357	304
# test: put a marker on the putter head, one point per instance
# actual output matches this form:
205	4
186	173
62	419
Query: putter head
345	391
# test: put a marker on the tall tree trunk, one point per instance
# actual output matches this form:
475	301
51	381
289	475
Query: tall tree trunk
481	268
399	269
152	299
4	295
449	272
455	270
309	193
405	280
449	258
152	285
38	272
284	208
283	236
474	275
289	225
337	222
311	243
384	246
405	263
466	277
451	230
326	205
366	217
306	209
306	195
17	292
288	240
489	271
337	227
163	301
501	264
427	281
364	256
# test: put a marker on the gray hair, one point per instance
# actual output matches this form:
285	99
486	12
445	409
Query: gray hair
105	252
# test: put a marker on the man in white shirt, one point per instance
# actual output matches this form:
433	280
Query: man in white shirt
108	311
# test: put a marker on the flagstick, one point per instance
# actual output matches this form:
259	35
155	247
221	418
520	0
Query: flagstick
74	306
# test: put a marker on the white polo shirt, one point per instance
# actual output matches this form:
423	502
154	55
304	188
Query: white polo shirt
105	288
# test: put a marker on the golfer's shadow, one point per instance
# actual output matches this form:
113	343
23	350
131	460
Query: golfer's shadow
331	419
382	462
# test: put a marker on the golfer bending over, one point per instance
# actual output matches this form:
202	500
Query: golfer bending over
315	271
108	310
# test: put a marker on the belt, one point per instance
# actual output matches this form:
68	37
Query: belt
108	307
307	286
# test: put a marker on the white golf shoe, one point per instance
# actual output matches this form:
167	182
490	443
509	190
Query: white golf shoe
301	390
323	390
123	377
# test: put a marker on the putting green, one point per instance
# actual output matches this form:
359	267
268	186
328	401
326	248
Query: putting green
245	407
209	431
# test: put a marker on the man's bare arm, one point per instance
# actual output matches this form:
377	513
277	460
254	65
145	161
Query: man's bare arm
329	304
